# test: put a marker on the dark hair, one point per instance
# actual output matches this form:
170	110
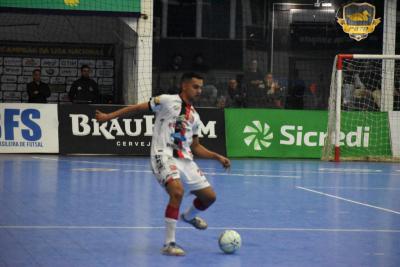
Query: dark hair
187	76
36	70
85	67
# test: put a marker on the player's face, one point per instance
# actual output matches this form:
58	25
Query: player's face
192	89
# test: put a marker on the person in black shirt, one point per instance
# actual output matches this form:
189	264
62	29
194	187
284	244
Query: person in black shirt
84	90
38	91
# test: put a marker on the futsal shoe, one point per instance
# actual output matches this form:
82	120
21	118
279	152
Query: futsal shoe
172	249
197	222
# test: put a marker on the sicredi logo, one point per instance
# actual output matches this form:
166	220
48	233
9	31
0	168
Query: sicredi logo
22	120
260	136
257	135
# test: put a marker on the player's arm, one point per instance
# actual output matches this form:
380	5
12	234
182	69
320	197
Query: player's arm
100	116
199	150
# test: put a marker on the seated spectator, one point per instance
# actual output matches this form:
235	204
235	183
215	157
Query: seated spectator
208	96
38	91
273	92
253	82
235	97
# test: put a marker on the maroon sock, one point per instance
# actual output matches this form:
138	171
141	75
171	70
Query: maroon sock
172	212
198	204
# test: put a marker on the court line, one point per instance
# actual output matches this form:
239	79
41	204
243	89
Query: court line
348	200
237	174
94	162
378	172
148	171
267	229
349	170
355	188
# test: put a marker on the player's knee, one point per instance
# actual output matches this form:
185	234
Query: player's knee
211	199
177	194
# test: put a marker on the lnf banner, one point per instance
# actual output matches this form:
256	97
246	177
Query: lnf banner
28	128
298	134
124	6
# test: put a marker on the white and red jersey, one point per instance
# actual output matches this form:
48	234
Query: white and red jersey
176	124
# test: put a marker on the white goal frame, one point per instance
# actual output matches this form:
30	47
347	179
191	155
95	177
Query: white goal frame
387	87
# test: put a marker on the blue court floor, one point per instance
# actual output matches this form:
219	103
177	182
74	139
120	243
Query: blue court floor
109	211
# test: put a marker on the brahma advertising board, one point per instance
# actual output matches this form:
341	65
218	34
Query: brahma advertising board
80	132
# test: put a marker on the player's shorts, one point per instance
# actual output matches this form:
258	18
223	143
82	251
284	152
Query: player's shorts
166	168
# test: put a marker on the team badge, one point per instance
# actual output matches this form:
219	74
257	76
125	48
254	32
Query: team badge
358	20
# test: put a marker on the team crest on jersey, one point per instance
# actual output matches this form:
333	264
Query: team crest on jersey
358	20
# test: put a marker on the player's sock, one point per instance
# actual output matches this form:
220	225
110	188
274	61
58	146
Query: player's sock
194	209
171	218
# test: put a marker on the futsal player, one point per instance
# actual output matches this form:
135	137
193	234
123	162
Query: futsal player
174	142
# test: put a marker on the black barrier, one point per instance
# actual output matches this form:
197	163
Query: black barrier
80	133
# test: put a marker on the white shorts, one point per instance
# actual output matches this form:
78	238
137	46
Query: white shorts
166	168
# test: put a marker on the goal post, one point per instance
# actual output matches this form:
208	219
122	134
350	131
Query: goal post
364	104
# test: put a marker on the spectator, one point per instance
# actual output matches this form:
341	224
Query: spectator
208	96
235	97
253	82
38	91
295	98
177	62
199	64
312	97
84	90
273	91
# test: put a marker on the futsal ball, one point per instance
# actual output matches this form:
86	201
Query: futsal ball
229	241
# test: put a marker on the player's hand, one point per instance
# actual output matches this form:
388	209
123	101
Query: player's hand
100	116
226	163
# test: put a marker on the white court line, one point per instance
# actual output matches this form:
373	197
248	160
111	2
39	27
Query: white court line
266	229
355	188
147	171
237	174
379	172
348	200
94	162
348	170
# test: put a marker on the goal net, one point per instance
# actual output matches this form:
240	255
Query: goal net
364	109
58	37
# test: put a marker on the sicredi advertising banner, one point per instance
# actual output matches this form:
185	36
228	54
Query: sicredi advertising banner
301	134
28	128
394	120
80	132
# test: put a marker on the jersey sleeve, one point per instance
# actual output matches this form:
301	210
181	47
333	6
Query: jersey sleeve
156	102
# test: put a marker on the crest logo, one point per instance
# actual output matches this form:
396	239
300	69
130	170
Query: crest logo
71	2
358	20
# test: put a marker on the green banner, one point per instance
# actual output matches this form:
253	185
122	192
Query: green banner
300	133
124	6
370	134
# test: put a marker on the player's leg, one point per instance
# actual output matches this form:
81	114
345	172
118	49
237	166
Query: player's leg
168	176
204	199
201	188
175	191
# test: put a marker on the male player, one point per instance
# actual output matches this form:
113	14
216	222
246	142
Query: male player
175	137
